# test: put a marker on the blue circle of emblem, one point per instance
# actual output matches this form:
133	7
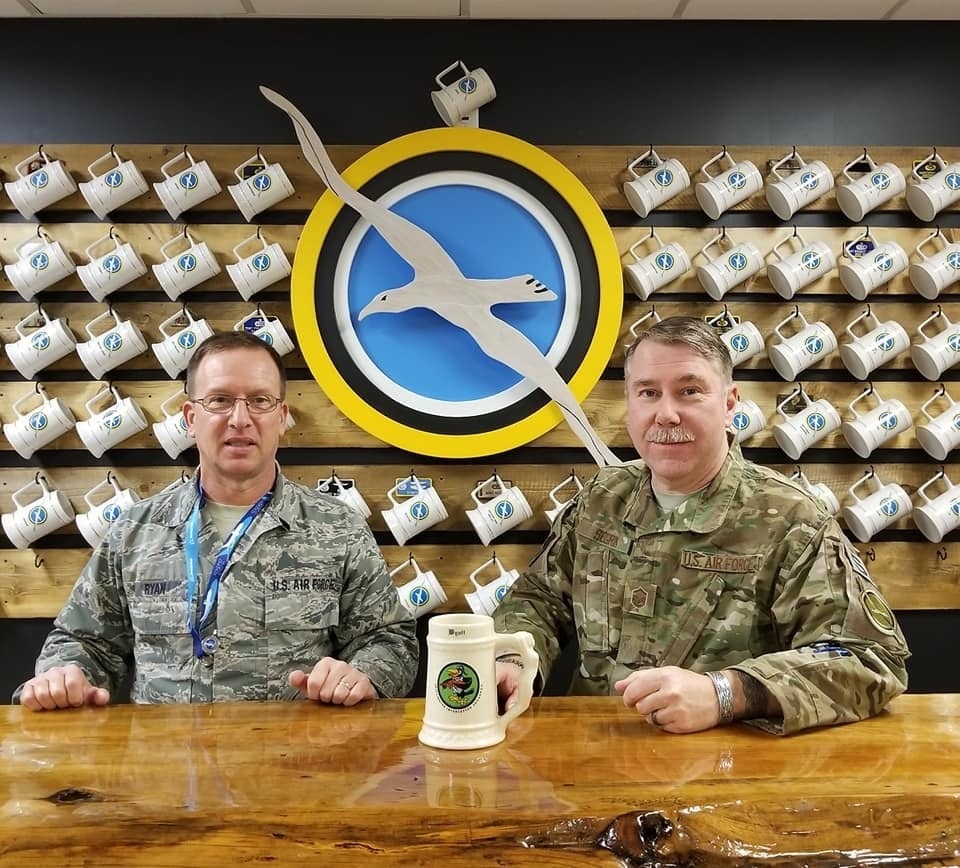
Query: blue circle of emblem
113	178
888	421
663	177
741	421
186	340
953	260
665	261
816	421
419	596
39	261
809	180
262	182
40	341
955	507
38	515
811	260
37	421
500	593
113	341
889	506
737	261
737	180
112	421
261	262
813	344
111	512
267	338
740	342
881	180
39	179
188	180
884	261
187	262
952	181
419	510
467	85
112	263
953	342
504	510
885	341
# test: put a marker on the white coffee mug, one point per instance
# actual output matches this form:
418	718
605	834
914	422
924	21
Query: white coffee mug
120	182
646	274
485	598
798	268
172	433
811	343
940	434
268	328
458	102
802	184
258	269
861	275
882	342
40	182
933	274
41	262
186	264
726	269
797	433
106	350
32	429
111	425
499	514
419	511
879	184
113	263
49	340
572	481
461	710
929	196
732	183
748	419
867	516
32	519
743	341
668	178
937	516
345	490
820	490
103	512
866	431
182	335
940	350
187	187
421	594
261	185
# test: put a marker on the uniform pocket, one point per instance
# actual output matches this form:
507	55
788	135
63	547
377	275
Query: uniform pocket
299	633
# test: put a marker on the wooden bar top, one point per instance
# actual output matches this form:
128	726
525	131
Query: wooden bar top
577	781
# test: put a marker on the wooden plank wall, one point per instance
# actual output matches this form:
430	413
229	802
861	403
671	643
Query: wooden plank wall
914	573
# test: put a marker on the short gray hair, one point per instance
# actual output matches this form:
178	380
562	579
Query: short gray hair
697	334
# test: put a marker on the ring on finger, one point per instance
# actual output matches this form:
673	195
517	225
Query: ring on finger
344	683
653	718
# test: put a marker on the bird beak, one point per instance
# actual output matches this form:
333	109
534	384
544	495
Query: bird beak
368	309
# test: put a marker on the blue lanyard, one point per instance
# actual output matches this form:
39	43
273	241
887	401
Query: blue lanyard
192	553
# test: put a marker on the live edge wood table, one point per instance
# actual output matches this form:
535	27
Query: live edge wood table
578	781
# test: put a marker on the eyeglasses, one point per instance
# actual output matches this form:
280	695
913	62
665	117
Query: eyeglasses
223	404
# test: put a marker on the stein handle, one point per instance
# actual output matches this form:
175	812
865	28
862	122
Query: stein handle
863	158
110	236
796	393
933	155
868	391
867	313
793	156
107	390
452	66
257	236
176	396
650	152
929	320
111	154
521	644
177	239
256	158
715	158
795	315
715	240
37	480
933	235
35	319
25	163
184	155
775	250
930	481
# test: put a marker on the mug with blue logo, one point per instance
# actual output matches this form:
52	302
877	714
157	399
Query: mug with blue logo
885	420
876	185
929	196
420	509
486	597
106	349
810	424
863	272
810	343
459	101
660	183
881	342
173	433
730	184
40	182
499	514
41	341
120	182
32	429
820	490
103	512
113	263
421	594
939	515
797	187
117	422
186	187
342	489
940	350
940	434
748	419
182	334
261	185
869	515
32	519
798	264
268	328
186	264
662	265
259	268
742	339
729	265
938	270
41	262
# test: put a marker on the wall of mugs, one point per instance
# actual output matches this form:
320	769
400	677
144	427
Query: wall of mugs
839	313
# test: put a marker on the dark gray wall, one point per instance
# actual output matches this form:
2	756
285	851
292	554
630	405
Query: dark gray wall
364	82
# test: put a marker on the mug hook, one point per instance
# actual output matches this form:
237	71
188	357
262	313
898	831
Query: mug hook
796	231
942	553
43	156
259	233
113	152
259	155
110	476
112	234
37	561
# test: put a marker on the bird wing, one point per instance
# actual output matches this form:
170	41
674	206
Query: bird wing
411	242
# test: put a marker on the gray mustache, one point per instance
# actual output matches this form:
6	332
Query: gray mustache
669	435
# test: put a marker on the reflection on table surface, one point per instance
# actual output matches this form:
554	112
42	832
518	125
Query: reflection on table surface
578	779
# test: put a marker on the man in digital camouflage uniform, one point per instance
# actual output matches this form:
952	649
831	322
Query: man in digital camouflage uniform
238	584
700	586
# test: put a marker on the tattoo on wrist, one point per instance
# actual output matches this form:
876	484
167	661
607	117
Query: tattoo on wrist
755	696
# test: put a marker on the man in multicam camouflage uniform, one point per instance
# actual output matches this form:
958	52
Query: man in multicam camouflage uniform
700	586
304	606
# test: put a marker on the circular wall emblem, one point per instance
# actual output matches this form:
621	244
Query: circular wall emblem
500	208
458	686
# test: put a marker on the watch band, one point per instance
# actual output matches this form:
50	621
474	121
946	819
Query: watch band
724	696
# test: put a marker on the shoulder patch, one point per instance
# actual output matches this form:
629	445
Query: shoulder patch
878	612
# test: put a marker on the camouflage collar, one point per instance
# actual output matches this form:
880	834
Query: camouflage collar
183	497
